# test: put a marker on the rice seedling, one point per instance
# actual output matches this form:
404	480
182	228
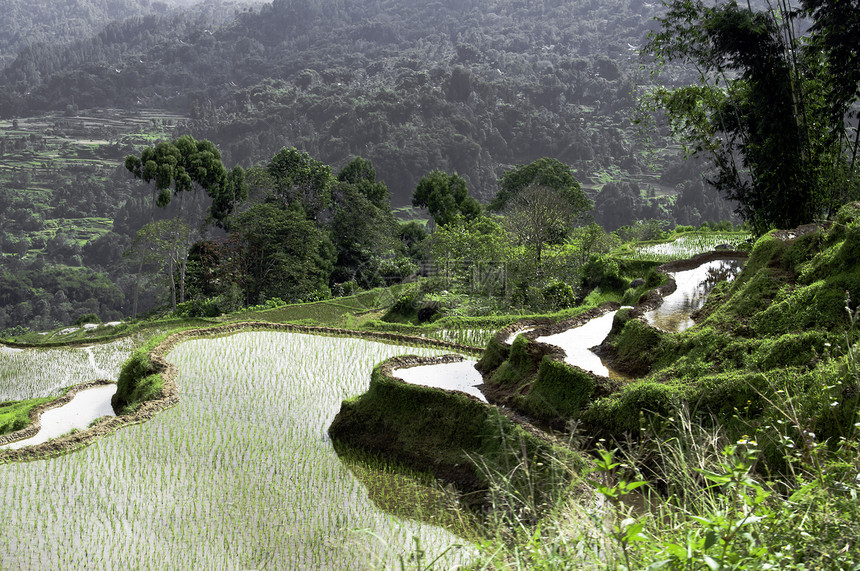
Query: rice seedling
31	373
472	337
683	247
239	475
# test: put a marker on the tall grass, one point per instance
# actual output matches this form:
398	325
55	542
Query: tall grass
680	496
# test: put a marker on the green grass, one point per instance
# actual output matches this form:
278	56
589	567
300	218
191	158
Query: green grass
16	415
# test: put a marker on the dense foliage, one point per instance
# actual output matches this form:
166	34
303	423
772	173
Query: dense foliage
772	107
471	88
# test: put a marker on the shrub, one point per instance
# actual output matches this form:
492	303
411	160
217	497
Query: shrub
87	318
603	272
557	295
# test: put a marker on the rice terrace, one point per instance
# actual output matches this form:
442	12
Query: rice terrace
250	444
430	286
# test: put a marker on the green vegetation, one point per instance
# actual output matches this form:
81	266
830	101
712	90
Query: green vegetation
772	107
139	380
732	445
456	437
15	415
244	457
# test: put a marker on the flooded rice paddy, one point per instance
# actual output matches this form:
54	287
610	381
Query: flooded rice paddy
512	337
31	373
77	414
577	342
239	475
462	376
673	315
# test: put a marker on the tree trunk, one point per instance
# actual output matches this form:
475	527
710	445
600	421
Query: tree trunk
172	285
182	266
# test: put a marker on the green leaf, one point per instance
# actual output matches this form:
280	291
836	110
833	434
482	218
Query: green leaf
711	539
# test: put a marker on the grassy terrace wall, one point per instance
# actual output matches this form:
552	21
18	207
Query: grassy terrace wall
446	433
147	383
532	377
773	348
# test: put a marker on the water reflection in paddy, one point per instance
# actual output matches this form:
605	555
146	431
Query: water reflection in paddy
461	376
576	343
673	315
85	407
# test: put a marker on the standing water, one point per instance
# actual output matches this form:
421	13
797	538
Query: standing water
461	376
85	407
673	315
577	341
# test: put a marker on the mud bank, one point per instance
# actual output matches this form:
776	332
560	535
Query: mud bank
442	432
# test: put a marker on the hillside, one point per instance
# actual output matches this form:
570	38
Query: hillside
471	87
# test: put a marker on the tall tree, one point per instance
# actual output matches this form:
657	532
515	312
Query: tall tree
539	215
281	254
363	226
165	244
297	177
762	108
542	201
182	166
445	196
547	172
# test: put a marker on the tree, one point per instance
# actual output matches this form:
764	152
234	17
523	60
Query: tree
764	108
165	243
299	178
179	164
279	253
445	196
542	201
361	173
474	250
546	172
539	215
363	226
178	167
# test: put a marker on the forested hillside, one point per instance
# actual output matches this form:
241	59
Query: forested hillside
471	87
31	23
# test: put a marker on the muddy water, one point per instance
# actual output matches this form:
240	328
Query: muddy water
673	315
85	407
577	341
461	376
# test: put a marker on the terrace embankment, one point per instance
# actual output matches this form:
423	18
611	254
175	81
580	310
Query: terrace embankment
531	376
147	384
450	434
774	347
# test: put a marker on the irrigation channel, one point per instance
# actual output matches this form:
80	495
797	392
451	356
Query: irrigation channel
242	474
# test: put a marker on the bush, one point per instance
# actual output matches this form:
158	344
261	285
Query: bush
557	295
345	289
603	272
87	318
198	308
138	381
